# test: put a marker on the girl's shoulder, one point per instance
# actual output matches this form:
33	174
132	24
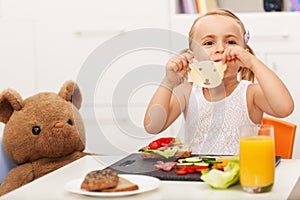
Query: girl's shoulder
252	87
245	82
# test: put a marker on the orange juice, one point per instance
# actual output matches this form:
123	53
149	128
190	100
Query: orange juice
257	161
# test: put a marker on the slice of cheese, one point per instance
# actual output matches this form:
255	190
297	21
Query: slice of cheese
207	74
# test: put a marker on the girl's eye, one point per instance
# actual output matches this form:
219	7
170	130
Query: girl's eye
231	42
208	43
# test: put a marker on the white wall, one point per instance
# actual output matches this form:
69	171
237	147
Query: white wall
43	43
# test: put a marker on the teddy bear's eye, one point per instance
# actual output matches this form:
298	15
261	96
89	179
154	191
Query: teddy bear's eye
70	122
200	68
36	130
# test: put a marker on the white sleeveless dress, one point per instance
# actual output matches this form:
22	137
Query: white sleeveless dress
212	127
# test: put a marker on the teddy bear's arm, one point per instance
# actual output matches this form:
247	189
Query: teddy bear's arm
17	177
44	166
28	172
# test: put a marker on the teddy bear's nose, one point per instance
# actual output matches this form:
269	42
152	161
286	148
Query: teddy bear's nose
58	125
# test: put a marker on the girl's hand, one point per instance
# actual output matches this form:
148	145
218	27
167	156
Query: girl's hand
238	56
177	68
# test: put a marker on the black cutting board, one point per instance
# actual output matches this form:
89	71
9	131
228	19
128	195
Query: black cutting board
135	164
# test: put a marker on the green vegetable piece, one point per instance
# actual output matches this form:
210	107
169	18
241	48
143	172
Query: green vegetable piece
208	159
185	164
182	160
218	179
177	141
201	164
168	153
193	159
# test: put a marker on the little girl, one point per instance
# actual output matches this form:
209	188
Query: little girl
213	115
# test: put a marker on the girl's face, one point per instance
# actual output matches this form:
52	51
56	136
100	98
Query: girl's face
214	33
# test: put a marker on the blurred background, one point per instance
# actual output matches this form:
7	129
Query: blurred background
43	43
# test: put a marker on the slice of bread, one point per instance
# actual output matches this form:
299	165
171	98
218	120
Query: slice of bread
100	179
123	185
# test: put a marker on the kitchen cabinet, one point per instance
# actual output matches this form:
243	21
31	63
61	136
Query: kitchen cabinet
66	43
67	32
64	33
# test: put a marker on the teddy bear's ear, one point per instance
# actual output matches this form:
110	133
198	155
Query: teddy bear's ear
10	101
71	92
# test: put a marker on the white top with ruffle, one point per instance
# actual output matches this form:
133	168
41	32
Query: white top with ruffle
212	127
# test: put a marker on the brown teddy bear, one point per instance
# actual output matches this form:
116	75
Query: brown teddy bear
42	133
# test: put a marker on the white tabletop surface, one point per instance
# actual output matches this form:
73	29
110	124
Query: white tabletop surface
51	186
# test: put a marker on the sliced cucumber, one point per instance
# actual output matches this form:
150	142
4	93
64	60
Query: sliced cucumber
182	160
184	164
201	164
198	161
205	159
193	159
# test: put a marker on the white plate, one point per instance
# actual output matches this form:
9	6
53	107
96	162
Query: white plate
145	183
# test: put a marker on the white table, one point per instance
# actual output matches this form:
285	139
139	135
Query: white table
51	186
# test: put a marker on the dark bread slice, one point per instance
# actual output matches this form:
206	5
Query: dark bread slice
100	179
123	185
178	154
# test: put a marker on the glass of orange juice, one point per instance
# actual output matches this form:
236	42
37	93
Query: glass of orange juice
257	158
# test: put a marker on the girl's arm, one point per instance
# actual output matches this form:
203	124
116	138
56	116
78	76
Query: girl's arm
168	101
270	95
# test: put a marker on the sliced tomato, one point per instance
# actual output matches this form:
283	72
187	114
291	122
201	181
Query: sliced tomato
190	170
165	141
161	142
154	145
181	172
200	167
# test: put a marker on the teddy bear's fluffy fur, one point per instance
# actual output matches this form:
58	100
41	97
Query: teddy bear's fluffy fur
42	133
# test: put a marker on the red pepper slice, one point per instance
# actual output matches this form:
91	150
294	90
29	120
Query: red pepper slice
201	169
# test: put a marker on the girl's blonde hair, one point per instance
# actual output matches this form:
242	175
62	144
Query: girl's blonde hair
245	73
